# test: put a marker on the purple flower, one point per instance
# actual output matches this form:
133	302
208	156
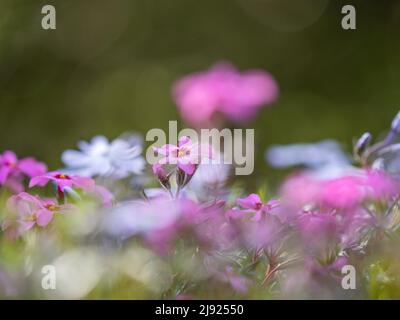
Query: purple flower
252	205
225	91
13	170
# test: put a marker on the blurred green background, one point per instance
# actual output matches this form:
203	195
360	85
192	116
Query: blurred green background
109	66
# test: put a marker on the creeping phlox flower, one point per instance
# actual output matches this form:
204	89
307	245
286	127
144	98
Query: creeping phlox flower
30	211
67	183
225	91
118	159
252	206
14	170
346	192
184	159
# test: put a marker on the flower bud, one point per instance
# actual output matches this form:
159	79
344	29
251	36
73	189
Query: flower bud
162	176
396	123
362	144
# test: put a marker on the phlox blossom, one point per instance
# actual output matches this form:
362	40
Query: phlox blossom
223	90
13	170
66	184
187	155
31	210
252	205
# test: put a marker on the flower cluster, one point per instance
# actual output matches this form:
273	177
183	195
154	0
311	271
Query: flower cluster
202	235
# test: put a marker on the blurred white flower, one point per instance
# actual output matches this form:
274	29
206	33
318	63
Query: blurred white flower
324	159
99	157
210	179
139	217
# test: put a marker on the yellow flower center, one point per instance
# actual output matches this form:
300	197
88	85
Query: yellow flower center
182	153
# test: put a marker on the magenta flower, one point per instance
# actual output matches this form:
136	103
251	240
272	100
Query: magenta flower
63	181
13	170
381	185
186	155
66	183
31	211
225	91
344	192
252	205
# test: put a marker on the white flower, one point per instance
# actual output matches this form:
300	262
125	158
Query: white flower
323	160
210	179
117	159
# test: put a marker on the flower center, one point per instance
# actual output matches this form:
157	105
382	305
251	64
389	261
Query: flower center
51	207
259	205
183	152
10	164
62	176
31	217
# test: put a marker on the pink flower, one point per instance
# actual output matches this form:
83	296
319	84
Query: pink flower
186	155
224	90
31	211
66	183
344	192
319	231
13	170
381	185
63	181
252	204
300	189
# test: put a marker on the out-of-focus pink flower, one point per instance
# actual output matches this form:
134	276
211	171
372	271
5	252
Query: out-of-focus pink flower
252	205
13	170
31	211
319	231
186	155
223	89
381	185
344	192
300	189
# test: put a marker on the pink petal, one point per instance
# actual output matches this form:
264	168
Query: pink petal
31	167
106	195
83	183
43	217
4	172
183	140
10	157
250	202
187	168
39	181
